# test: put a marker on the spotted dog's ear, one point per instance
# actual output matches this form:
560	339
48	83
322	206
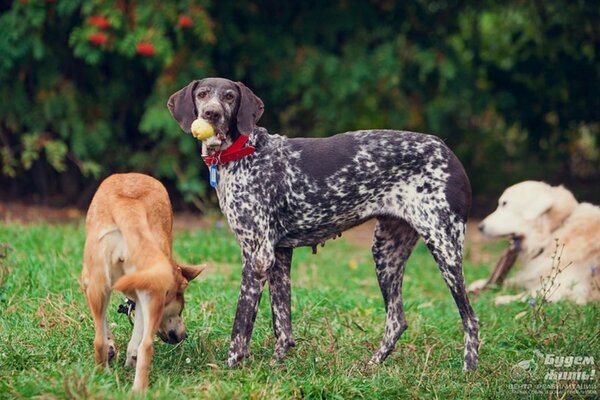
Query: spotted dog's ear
182	106
250	110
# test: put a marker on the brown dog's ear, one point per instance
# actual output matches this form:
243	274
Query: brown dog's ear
182	106
189	272
250	110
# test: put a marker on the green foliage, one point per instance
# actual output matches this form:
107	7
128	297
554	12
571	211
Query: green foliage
46	331
85	85
512	86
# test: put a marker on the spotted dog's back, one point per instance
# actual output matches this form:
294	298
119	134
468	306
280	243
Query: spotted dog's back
320	187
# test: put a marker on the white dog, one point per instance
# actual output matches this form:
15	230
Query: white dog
543	219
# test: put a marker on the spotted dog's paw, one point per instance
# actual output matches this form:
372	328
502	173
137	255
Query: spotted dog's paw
236	358
281	350
375	360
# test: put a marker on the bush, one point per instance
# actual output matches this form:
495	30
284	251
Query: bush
88	83
511	86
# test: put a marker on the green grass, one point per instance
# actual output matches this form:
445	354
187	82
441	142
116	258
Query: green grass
46	330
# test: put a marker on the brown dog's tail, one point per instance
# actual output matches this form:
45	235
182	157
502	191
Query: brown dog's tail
156	279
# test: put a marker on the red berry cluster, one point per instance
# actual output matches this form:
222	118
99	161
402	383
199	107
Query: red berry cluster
145	49
98	38
185	21
99	21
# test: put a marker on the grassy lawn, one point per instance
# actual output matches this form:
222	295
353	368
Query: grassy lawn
46	331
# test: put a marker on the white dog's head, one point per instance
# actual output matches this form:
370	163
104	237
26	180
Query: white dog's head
530	210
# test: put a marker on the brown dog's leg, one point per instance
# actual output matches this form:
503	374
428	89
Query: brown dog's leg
136	339
151	306
97	298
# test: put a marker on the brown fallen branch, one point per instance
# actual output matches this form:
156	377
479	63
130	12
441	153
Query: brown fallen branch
507	260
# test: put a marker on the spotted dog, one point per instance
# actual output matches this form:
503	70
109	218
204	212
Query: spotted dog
301	192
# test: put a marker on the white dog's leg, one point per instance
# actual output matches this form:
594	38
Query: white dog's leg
512	282
506	299
478	285
136	338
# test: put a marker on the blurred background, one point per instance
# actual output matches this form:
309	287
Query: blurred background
513	86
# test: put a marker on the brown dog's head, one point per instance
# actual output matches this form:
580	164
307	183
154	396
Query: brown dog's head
166	291
230	107
172	330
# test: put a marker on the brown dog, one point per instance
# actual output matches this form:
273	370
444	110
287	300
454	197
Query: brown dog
128	248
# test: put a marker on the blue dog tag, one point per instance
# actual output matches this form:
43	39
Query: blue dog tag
213	175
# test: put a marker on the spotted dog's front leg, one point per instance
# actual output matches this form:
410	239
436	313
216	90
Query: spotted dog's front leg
280	293
254	275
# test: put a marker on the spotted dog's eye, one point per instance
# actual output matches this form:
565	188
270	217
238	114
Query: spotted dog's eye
229	96
202	94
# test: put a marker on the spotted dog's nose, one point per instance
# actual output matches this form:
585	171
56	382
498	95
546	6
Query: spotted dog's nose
212	115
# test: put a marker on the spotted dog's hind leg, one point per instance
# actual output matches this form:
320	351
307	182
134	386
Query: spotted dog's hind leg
446	242
393	243
280	293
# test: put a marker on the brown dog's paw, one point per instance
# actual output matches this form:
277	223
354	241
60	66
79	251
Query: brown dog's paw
131	358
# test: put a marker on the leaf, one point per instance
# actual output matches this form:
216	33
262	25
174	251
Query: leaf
55	154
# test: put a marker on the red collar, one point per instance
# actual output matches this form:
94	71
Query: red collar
232	153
